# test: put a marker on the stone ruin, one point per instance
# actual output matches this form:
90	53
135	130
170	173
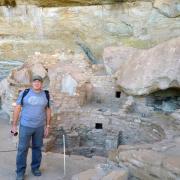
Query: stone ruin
86	106
74	87
119	107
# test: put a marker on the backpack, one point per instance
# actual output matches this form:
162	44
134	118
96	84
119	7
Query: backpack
26	92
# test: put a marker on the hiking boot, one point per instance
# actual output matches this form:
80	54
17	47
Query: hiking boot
36	172
20	177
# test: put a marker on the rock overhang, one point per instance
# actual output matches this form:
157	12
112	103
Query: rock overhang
56	3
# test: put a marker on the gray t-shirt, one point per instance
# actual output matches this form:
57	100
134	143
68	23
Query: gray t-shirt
33	112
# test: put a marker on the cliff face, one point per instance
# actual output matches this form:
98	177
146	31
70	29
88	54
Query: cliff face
25	29
55	3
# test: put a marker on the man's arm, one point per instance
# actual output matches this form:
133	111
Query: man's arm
48	121
48	115
16	113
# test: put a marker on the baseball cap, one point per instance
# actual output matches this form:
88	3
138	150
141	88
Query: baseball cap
37	77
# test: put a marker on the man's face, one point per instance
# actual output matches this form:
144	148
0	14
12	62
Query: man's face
37	85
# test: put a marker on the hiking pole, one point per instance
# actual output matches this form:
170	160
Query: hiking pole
64	146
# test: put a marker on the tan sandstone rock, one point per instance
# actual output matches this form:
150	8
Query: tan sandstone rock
172	163
116	175
170	8
38	69
22	76
150	70
86	175
115	57
27	28
54	3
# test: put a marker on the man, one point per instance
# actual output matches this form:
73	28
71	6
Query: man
35	116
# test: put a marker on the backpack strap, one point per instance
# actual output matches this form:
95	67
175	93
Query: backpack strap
24	94
48	97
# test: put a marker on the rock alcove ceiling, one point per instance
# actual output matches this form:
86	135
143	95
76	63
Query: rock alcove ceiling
56	3
165	100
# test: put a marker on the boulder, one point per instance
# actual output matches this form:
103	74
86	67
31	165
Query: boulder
117	175
157	68
88	175
150	164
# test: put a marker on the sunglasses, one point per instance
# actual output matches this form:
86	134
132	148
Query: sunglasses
14	133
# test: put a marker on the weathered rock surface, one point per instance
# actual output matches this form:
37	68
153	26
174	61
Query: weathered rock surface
169	8
108	171
115	57
129	105
39	69
144	71
23	76
158	161
27	28
117	175
89	175
176	115
54	3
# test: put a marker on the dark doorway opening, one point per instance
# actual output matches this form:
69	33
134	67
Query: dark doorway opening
98	125
118	94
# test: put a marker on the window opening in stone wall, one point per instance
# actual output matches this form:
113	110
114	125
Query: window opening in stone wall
98	125
118	94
